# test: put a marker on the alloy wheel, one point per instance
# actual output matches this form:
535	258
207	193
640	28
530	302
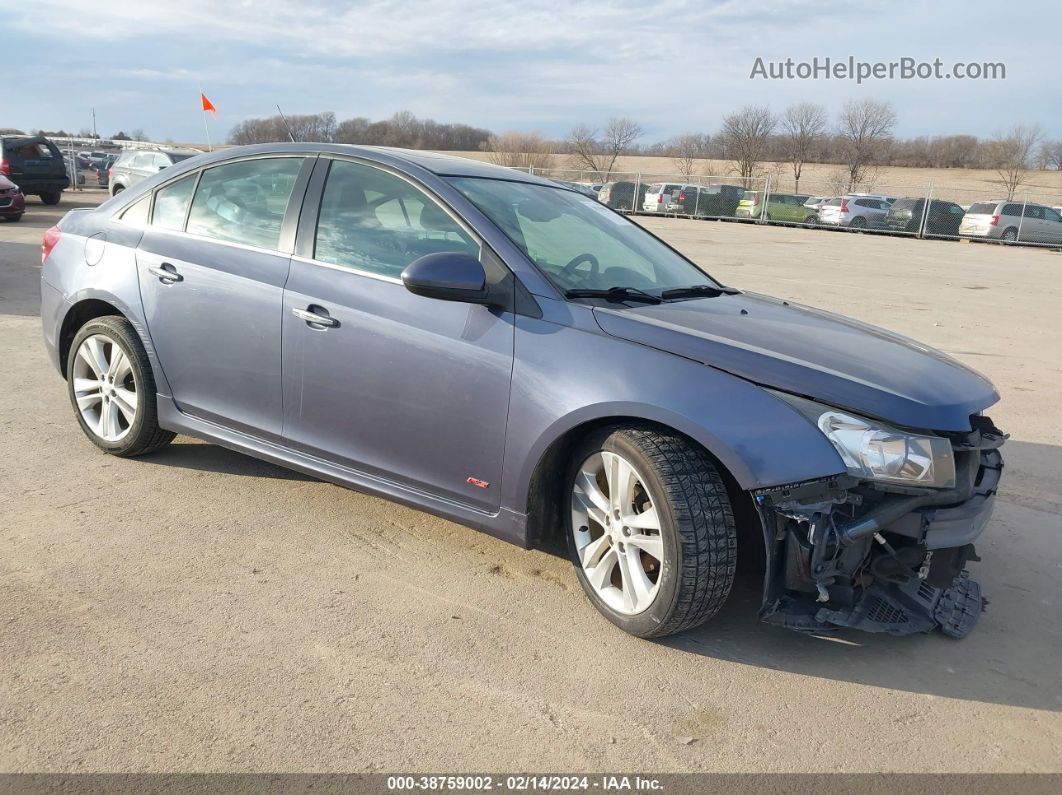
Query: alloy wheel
616	528
105	387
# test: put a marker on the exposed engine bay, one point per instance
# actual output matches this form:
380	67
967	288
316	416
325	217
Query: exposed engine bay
845	552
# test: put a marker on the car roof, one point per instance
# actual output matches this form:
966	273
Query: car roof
439	164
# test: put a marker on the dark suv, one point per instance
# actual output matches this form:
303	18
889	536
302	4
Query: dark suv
35	164
908	215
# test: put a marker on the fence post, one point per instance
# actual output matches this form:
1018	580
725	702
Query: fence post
697	202
1021	220
766	198
531	170
925	213
635	199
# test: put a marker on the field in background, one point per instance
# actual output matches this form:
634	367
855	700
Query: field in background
981	183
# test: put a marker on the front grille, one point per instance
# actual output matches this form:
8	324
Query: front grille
5	202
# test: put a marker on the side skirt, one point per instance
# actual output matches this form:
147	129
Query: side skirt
506	525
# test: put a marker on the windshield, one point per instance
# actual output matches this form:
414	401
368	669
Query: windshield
577	242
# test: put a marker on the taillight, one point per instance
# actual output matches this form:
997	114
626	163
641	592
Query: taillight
51	237
682	196
109	171
5	167
660	198
755	199
844	205
995	220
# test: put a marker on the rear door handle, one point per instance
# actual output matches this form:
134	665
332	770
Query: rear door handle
315	318
166	273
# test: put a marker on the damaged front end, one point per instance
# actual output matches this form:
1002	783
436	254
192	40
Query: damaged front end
881	556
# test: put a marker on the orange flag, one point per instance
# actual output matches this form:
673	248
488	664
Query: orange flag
208	105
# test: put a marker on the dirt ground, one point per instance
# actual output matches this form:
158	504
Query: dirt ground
197	610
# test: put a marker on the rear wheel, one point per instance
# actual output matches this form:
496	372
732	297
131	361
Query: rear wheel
51	196
112	388
650	530
858	223
1009	235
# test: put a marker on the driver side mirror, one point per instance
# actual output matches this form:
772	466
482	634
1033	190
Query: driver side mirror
448	276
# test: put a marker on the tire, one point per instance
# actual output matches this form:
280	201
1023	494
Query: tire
689	520
117	189
858	223
51	197
1009	235
13	218
129	437
811	220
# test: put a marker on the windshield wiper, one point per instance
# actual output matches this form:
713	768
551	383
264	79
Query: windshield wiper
698	291
617	294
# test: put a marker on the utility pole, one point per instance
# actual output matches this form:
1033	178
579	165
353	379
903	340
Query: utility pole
94	123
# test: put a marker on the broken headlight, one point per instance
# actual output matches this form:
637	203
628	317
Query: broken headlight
873	450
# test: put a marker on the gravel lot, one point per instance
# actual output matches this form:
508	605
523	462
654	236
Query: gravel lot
200	610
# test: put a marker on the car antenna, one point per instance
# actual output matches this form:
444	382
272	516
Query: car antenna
286	127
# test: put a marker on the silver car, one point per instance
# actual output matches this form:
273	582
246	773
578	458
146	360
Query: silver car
134	165
1012	221
856	211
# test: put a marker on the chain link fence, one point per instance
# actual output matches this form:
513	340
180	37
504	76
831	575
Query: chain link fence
923	211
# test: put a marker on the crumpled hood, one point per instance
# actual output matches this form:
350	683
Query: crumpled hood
811	352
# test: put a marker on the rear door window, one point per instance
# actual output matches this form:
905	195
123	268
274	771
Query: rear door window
171	203
244	202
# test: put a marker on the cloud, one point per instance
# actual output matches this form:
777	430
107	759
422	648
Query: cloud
676	65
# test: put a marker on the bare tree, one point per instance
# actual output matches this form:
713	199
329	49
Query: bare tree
1010	155
597	152
745	135
687	151
138	134
803	125
1050	156
864	134
520	150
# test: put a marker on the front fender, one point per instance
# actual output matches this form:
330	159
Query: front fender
567	375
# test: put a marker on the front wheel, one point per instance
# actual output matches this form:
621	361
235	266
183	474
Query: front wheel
650	530
112	388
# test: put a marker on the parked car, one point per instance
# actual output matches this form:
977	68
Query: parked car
784	207
855	211
715	201
621	195
35	164
523	360
907	215
12	202
662	197
1011	221
134	165
103	171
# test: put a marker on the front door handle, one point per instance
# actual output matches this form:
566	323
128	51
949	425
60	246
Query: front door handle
315	318
166	273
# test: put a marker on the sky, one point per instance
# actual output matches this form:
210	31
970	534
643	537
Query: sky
676	66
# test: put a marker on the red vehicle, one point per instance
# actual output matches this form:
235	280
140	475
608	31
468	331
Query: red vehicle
12	202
